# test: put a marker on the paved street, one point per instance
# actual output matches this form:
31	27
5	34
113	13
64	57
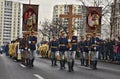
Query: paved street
10	69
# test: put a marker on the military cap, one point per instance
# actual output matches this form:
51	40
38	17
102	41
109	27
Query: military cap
94	32
32	31
62	32
54	36
88	35
82	37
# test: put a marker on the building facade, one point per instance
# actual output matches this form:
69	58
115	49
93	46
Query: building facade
78	24
9	21
115	19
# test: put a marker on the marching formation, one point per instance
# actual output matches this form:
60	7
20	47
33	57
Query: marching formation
23	49
89	49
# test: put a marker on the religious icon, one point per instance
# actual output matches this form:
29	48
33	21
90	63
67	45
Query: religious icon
93	19
30	14
29	19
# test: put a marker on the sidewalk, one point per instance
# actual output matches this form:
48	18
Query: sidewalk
108	61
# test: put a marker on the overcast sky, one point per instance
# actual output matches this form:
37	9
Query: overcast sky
46	6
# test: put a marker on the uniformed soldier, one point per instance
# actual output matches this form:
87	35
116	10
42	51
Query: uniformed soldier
62	48
24	45
86	49
71	52
22	48
7	49
10	49
32	44
54	49
81	45
94	44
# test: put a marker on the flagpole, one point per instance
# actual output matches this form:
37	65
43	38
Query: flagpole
29	1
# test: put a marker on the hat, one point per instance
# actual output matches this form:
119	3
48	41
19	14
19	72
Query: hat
88	35
82	37
32	31
72	30
62	32
94	32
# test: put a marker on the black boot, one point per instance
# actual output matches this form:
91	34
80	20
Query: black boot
82	62
52	62
91	64
86	63
95	65
61	64
64	64
69	66
22	60
55	63
32	62
27	62
72	65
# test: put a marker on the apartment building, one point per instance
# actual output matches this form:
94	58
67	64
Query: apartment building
10	16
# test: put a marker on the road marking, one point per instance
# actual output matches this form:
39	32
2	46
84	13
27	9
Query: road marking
22	65
38	76
1	55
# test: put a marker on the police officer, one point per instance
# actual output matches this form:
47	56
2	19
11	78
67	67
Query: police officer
62	48
81	45
71	52
54	49
86	49
94	44
32	44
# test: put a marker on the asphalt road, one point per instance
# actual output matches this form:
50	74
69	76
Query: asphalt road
10	69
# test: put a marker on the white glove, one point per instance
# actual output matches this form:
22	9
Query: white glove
28	49
29	42
70	48
89	52
95	41
94	48
69	40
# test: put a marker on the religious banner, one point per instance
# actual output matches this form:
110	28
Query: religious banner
93	19
30	17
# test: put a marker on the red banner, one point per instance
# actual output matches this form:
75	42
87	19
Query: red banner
93	19
30	17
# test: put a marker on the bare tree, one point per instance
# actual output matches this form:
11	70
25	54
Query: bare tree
51	29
